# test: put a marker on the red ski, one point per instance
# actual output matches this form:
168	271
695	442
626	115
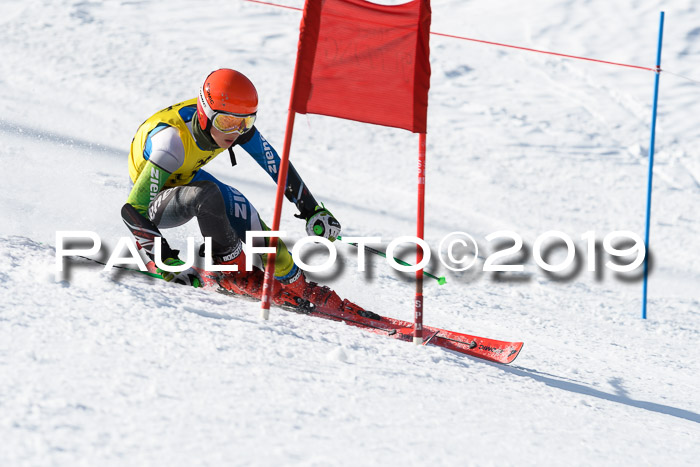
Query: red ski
480	347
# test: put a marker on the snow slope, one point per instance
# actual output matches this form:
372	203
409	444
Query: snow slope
109	368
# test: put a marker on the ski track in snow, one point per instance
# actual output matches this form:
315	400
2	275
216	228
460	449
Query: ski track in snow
112	368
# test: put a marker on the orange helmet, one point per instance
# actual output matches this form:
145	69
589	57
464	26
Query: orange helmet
226	91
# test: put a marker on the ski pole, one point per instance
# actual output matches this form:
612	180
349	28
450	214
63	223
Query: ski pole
440	280
147	273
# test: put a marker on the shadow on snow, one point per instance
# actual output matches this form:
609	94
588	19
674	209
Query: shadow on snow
620	398
14	128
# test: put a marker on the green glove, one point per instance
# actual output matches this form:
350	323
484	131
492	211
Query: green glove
189	276
322	223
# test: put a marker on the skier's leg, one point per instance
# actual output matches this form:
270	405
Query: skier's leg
176	206
243	217
203	199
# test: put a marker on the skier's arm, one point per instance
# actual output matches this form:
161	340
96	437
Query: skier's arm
165	155
265	155
135	210
319	220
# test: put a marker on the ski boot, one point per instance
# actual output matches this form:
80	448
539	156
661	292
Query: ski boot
297	289
241	282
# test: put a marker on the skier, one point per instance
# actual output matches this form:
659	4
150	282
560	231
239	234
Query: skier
170	188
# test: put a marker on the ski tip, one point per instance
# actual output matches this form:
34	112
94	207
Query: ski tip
513	353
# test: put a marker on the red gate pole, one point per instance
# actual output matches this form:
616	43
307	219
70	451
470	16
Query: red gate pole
281	186
420	221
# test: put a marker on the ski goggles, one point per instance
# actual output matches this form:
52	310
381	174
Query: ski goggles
233	123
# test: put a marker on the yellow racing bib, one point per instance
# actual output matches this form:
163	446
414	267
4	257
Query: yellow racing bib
176	116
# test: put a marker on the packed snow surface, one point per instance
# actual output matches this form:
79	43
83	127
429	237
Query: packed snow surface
113	368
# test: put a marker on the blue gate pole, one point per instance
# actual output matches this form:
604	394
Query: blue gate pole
651	166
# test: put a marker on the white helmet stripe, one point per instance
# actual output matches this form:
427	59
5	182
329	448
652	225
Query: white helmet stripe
208	111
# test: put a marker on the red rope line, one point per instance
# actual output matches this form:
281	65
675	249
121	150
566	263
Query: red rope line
543	51
275	4
497	43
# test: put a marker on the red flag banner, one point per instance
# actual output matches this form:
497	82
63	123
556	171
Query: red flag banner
365	62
